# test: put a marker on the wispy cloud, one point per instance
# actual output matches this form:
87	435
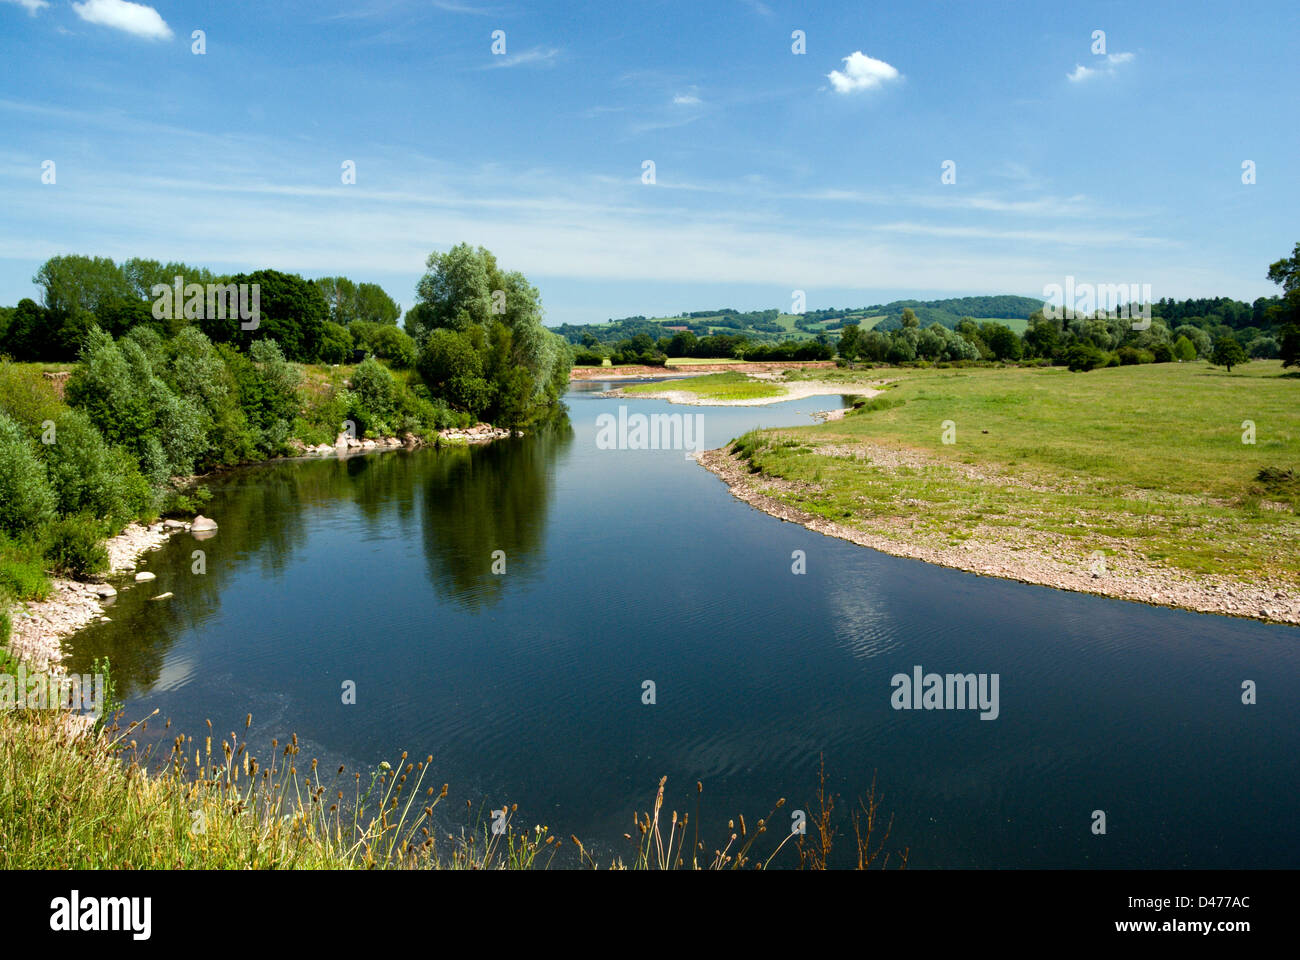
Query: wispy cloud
453	6
1105	67
689	98
133	18
862	72
536	57
31	6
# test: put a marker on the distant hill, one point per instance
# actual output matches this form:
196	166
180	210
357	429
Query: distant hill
950	312
772	326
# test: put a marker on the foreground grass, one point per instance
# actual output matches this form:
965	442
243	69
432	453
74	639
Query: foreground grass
95	801
1146	461
732	385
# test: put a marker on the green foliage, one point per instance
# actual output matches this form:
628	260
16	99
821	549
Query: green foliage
22	569
1001	340
1289	347
267	387
27	500
336	343
385	341
90	476
1184	350
453	369
75	546
292	313
31	333
484	348
350	303
1227	353
374	398
1085	356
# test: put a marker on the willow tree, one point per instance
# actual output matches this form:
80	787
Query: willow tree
466	303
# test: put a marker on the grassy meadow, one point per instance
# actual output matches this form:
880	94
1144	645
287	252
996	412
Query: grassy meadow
732	385
1145	461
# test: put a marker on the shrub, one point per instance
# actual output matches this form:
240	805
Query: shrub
335	344
26	499
385	341
197	370
901	350
26	396
1129	356
1084	356
89	476
22	570
452	369
374	397
323	415
75	546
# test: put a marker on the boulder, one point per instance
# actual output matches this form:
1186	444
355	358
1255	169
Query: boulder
162	596
105	590
144	575
201	523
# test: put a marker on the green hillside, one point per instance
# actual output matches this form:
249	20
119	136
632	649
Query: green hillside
772	326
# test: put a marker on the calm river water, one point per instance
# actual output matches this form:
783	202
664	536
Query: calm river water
627	566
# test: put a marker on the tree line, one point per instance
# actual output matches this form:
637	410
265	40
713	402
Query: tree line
157	396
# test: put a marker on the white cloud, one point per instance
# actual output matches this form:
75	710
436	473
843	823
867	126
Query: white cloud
134	18
1105	69
688	99
31	6
862	72
537	56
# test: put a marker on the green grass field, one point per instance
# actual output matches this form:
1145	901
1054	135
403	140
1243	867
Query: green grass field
714	386
1146	460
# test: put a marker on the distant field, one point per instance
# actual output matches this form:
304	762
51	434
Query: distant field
1018	324
1141	460
715	386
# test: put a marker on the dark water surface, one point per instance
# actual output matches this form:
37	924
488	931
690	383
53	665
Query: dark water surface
629	565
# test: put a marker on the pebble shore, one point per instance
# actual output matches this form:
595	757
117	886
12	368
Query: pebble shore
1272	602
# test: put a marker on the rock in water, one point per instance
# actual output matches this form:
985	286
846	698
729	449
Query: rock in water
202	523
144	575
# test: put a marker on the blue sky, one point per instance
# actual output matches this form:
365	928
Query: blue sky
774	171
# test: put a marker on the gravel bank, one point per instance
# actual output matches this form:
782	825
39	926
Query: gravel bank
1273	602
40	626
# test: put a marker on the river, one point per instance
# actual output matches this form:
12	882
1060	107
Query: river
625	566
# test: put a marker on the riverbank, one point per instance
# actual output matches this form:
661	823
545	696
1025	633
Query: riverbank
642	371
1139	483
749	389
1145	584
39	627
